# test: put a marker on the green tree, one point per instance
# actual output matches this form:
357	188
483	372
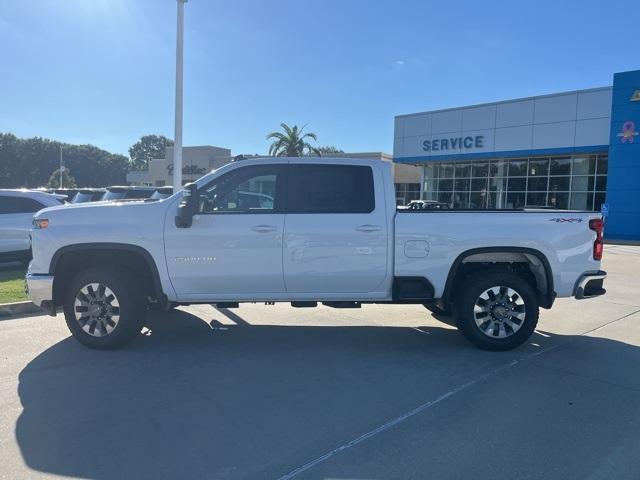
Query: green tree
291	143
148	148
10	164
67	180
28	162
329	150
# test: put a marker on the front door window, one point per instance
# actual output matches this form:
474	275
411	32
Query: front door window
246	190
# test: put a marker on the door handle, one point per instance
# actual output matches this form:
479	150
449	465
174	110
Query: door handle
264	228
368	228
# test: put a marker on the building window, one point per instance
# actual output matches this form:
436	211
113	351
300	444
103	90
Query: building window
405	192
563	182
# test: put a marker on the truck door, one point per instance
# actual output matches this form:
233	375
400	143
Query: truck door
335	236
234	247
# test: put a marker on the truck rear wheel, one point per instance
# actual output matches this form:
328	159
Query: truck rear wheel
497	310
104	308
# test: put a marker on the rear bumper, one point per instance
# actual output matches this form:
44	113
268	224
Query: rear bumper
40	291
590	285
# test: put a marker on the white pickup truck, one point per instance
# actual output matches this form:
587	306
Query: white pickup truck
308	230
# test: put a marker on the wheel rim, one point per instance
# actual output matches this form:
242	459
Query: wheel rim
97	309
499	312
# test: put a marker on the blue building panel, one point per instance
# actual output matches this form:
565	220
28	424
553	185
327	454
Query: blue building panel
623	184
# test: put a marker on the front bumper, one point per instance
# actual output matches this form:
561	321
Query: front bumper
40	291
590	285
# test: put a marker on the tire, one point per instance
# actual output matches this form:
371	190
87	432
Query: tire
104	308
497	310
437	310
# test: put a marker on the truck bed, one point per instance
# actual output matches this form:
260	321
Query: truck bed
433	240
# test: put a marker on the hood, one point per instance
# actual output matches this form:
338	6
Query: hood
111	208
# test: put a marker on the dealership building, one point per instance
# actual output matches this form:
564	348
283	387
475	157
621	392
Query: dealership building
572	150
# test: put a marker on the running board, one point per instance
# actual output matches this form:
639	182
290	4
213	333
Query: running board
227	305
304	304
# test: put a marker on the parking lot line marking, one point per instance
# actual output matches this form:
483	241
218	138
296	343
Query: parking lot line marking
431	403
409	414
595	329
421	331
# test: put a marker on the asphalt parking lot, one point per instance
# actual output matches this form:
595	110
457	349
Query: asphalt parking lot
381	392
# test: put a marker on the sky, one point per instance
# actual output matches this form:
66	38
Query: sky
103	71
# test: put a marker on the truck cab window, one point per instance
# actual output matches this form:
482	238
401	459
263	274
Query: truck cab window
330	189
246	190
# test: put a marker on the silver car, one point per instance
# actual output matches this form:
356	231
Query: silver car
16	213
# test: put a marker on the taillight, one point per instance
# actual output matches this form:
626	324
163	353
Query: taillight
597	225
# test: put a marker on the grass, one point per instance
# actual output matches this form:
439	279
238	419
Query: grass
12	286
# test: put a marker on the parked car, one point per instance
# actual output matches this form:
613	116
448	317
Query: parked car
427	205
16	213
128	193
331	234
88	195
68	193
161	193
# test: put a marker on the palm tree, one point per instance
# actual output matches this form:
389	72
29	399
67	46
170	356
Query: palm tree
291	143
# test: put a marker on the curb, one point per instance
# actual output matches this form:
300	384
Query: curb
18	309
621	242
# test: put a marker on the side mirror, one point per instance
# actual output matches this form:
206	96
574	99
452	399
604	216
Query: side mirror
188	206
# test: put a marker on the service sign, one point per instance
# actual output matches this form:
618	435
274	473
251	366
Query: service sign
447	144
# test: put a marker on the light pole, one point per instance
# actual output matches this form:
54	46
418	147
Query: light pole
61	167
177	139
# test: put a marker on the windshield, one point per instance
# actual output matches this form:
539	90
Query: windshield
82	197
111	195
158	195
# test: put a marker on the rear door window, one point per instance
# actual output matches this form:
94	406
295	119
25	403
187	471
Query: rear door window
317	188
9	205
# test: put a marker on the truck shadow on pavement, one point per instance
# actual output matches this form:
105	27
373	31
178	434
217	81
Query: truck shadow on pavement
247	401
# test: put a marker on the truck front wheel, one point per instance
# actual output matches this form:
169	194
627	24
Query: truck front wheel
104	308
497	310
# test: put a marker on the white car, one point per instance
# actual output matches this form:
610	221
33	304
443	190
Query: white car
16	214
329	232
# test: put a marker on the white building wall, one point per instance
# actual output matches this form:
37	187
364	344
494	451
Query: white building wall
564	120
205	158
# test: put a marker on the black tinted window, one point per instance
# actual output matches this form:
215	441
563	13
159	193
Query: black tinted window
19	205
330	189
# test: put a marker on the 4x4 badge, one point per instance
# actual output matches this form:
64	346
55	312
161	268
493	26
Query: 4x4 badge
565	220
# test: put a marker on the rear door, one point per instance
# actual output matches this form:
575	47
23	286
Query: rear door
335	236
16	214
